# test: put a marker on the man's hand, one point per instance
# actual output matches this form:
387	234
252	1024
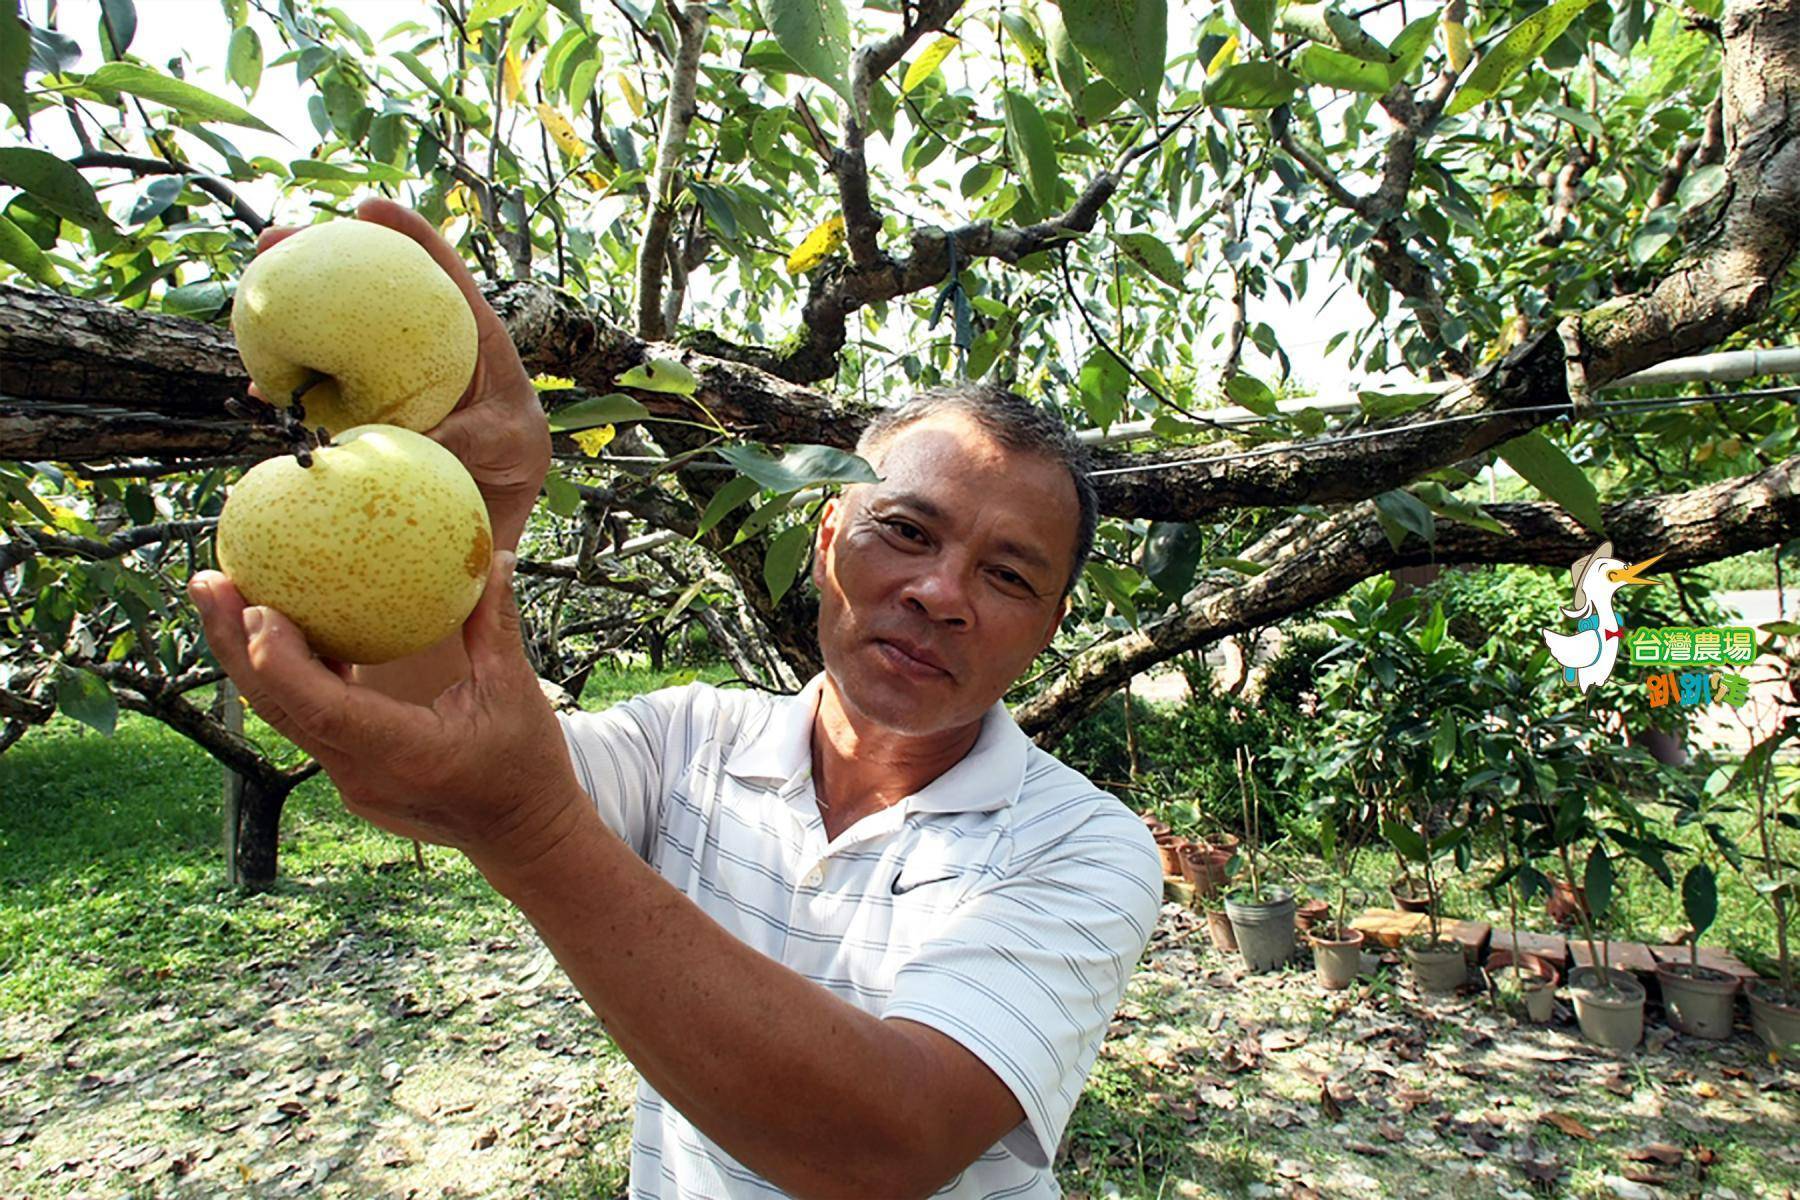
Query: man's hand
484	768
498	428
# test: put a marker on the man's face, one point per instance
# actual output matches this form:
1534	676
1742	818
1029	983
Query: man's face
940	584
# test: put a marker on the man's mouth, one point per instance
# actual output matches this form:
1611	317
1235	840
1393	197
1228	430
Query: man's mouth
912	659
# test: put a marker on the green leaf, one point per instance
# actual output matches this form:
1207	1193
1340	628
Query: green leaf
1116	586
1700	898
663	375
1410	47
17	248
781	561
1443	744
178	94
1346	72
1243	566
360	171
198	301
1066	66
1253	394
15	56
1549	470
1586	122
1127	41
1597	881
85	697
816	35
1102	383
686	598
1379	405
1033	155
1405	840
58	185
1151	253
800	467
1251	85
1258	17
563	497
724	501
1171	555
1409	513
118	25
1326	24
484	11
244	59
610	409
1516	51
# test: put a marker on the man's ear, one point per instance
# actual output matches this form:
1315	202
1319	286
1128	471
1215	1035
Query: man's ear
829	518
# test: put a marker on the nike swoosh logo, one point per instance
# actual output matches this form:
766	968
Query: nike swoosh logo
901	891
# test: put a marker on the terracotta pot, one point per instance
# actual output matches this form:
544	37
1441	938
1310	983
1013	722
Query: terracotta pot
1609	1007
1777	1022
1228	842
1224	938
1698	1000
1154	825
1406	901
1204	867
1310	911
1438	969
1170	844
1566	903
1337	957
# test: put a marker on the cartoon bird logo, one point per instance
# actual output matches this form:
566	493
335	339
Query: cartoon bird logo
1588	654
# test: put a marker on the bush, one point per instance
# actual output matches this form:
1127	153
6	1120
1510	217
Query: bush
1291	678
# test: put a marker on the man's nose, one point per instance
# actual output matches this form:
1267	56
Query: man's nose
940	592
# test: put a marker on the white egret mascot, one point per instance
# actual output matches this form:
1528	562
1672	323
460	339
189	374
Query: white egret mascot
1588	654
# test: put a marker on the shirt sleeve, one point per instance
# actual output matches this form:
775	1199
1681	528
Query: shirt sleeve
1028	972
619	754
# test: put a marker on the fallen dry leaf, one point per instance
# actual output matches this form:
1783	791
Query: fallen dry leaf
1329	1105
1660	1152
1568	1125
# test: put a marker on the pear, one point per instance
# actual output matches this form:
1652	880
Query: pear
359	323
378	550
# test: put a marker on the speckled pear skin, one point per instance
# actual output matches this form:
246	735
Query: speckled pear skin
368	308
378	550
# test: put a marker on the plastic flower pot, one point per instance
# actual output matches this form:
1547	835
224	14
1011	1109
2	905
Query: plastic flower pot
1264	928
1438	968
1337	955
1698	1000
1218	926
1535	980
1776	1018
1609	1006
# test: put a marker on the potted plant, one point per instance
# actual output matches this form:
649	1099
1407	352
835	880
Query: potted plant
1609	1004
1699	1000
1337	948
1262	918
1774	1004
1526	983
1438	963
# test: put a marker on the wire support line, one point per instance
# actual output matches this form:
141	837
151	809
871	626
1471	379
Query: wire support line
1640	404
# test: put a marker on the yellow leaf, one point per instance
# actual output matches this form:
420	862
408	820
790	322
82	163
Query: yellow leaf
594	180
1456	44
593	441
817	246
1224	58
634	99
551	383
511	76
561	132
921	67
459	200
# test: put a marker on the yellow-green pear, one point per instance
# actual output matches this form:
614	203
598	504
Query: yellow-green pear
378	550
363	319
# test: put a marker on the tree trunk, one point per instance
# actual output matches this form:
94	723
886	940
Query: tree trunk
257	833
230	711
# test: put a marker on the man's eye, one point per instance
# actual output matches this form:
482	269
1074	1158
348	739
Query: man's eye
1013	579
906	529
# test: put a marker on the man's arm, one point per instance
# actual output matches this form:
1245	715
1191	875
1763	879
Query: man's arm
814	1094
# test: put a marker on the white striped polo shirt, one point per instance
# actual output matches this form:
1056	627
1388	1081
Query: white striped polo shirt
1005	904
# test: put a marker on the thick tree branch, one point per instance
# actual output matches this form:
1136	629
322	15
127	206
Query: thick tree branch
1308	561
678	114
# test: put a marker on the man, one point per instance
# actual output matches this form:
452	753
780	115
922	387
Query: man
864	941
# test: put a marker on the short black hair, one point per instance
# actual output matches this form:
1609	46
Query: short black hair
1017	424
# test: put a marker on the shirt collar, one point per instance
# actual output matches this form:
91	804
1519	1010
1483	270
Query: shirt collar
988	777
